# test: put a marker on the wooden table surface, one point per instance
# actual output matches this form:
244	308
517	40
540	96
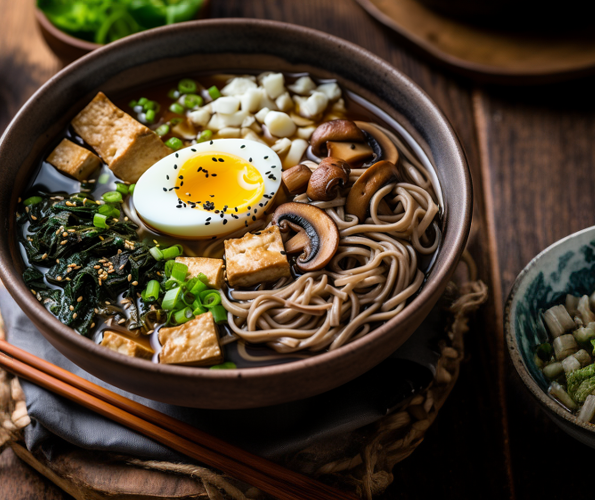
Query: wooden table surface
532	160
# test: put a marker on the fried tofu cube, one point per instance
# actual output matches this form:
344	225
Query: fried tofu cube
193	343
73	160
213	269
256	258
125	345
126	145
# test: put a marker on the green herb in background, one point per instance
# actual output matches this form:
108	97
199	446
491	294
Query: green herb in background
104	21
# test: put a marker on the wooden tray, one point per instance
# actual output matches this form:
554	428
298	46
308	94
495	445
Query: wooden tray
486	54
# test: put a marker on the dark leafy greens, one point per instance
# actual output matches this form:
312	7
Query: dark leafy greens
103	21
89	267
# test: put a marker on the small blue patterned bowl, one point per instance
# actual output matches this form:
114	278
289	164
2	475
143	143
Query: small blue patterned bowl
567	266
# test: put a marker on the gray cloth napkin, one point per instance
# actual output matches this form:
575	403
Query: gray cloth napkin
269	432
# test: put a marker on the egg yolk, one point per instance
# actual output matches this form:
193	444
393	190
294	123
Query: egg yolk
219	181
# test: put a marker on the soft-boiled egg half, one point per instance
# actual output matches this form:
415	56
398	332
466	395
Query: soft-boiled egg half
208	189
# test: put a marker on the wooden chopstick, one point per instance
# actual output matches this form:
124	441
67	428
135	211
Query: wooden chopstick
265	475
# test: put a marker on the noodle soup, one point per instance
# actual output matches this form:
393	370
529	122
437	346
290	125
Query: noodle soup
249	220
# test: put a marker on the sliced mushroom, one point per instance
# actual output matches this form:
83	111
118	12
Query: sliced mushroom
331	174
335	130
296	179
317	234
383	147
360	194
351	152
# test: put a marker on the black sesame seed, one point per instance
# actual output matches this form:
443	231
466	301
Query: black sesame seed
283	252
207	223
224	221
353	146
177	187
255	210
208	219
254	217
266	157
178	206
181	183
167	177
211	142
214	238
207	176
250	160
260	205
214	175
181	177
274	166
249	207
216	211
214	159
170	189
242	146
246	223
175	167
212	195
235	208
193	150
221	160
177	155
165	189
222	215
267	173
199	169
257	233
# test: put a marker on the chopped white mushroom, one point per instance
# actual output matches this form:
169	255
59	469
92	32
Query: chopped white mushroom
226	105
570	364
331	90
230	120
295	153
339	107
266	101
249	120
564	346
251	135
281	146
201	116
274	84
302	86
558	320
238	86
251	100
305	132
261	115
300	121
284	102
279	124
314	105
229	132
582	357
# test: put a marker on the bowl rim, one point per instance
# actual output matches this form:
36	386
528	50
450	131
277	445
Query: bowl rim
458	230
511	338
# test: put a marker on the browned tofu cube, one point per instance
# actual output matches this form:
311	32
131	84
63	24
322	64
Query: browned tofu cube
127	146
211	268
125	345
193	343
74	160
256	258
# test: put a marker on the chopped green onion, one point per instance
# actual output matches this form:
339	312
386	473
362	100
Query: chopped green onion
173	94
132	103
179	271
177	108
204	136
171	283
121	188
162	130
199	310
228	365
142	101
151	293
150	105
103	179
192	100
171	298
187	86
210	298
172	252
32	201
112	197
214	92
183	315
150	116
203	277
99	220
175	121
156	253
198	287
174	143
169	266
131	188
109	211
219	313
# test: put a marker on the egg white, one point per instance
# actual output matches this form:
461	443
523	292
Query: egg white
157	208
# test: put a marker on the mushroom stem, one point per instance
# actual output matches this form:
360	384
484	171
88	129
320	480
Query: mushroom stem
296	179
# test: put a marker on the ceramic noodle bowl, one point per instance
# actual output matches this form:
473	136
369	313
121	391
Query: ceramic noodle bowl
244	47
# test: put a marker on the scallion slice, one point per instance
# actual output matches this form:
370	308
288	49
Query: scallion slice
169	265
179	271
172	252
228	365
214	92
99	220
162	130
33	200
203	277
173	94
192	101
177	108
199	310
219	313
151	293
210	298
142	101
156	253
204	136
103	179
187	86
174	143
131	189
150	116
183	315
197	288
171	298
121	188
112	197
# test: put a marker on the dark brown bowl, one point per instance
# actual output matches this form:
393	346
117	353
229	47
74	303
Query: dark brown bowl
223	45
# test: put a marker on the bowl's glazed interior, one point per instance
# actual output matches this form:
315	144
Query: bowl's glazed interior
566	267
239	46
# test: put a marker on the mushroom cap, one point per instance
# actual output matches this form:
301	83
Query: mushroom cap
317	234
387	149
375	177
335	130
325	181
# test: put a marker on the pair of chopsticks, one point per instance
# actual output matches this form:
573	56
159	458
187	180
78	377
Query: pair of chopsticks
269	477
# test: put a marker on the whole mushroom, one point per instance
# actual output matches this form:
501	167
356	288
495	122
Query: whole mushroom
317	236
325	181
